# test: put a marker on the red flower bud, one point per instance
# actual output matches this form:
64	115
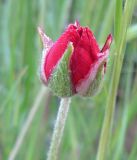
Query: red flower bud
84	64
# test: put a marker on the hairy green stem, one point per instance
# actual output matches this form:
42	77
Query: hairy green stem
59	128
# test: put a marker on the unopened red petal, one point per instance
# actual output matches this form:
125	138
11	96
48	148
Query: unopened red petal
58	49
84	55
107	43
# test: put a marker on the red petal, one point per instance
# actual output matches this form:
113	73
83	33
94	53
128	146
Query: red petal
82	86
105	48
77	24
58	49
107	43
84	55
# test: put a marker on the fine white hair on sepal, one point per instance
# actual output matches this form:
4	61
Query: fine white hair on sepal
47	44
42	72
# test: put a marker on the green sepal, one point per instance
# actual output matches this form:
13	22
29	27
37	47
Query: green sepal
60	82
96	84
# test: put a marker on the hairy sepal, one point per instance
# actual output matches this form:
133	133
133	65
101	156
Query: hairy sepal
91	85
59	81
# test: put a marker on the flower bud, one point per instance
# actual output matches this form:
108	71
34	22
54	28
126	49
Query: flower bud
74	64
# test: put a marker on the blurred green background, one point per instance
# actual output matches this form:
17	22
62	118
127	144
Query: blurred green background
22	95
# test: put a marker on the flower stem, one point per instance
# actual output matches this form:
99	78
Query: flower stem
59	127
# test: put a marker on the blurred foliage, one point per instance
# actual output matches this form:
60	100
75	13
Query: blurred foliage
20	51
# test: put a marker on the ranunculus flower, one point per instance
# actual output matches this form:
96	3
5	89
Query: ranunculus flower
74	64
